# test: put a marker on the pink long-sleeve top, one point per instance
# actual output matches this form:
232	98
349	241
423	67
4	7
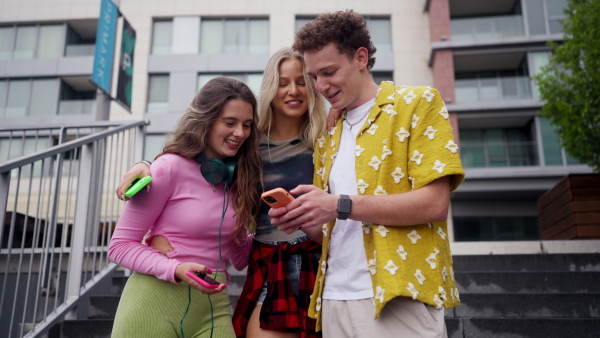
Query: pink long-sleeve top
182	207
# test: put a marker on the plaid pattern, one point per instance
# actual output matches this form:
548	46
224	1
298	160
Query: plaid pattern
281	311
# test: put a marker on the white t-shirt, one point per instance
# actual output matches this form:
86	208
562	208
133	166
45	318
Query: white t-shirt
347	276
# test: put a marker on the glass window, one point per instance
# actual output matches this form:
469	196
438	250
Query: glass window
18	97
258	41
495	148
470	229
381	33
6	42
50	45
556	8
471	148
158	94
25	44
550	143
538	60
234	36
211	35
3	89
535	17
44	94
162	32
508	147
154	145
252	80
466	90
540	12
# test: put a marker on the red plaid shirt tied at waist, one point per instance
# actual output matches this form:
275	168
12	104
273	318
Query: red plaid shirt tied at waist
281	311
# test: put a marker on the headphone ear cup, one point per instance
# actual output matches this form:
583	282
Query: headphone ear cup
216	171
213	170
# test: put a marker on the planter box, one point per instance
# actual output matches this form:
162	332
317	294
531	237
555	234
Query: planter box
571	210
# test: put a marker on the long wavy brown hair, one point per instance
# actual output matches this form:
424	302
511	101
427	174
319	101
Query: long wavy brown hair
191	135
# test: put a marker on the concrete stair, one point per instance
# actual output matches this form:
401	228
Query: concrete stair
538	295
543	295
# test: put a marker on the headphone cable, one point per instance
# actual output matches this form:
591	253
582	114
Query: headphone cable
212	317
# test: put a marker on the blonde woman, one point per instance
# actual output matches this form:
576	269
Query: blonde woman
282	267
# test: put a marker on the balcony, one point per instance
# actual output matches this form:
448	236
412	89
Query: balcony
76	107
498	154
487	28
80	50
497	88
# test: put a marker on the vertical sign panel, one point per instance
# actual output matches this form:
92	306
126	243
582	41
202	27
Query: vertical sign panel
125	79
105	45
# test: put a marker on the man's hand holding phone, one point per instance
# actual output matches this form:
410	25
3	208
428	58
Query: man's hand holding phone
277	198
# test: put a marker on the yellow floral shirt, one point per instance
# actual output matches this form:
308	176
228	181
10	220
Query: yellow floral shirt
405	144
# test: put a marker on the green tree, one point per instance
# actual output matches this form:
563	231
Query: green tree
570	84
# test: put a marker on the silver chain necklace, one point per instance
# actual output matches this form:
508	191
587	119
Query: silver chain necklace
357	122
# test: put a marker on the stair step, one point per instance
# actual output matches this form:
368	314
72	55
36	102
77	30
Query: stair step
535	262
91	328
527	282
103	307
528	305
520	327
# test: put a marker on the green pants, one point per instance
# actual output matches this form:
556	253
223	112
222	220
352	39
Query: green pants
150	307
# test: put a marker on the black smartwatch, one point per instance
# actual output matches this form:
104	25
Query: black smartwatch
344	207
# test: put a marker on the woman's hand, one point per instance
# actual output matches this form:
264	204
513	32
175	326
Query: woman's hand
333	116
140	169
180	274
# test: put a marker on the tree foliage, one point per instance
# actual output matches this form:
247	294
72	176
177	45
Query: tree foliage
570	84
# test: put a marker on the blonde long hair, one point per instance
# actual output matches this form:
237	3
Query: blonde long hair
191	135
313	123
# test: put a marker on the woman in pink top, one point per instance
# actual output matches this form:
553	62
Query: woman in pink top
196	224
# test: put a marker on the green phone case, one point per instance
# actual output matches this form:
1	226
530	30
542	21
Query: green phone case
137	185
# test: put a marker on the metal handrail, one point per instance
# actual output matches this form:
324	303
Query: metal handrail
59	213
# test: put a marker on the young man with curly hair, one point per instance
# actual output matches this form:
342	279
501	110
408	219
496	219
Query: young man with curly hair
382	183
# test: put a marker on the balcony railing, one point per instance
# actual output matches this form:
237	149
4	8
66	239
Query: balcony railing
499	88
76	107
80	50
498	154
487	28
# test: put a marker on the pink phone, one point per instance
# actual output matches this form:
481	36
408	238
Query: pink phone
203	279
277	197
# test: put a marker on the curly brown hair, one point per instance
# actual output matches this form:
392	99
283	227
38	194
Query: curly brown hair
191	135
347	29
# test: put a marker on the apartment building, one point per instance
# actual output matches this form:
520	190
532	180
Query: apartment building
479	53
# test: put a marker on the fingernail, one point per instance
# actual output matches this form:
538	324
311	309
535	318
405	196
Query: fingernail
208	270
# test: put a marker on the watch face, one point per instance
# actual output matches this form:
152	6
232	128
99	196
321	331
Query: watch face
344	207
